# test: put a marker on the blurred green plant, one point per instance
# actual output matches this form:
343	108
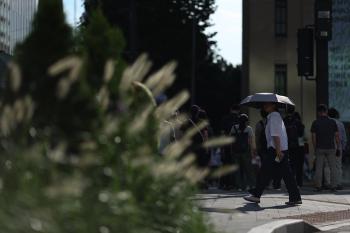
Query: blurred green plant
114	179
117	183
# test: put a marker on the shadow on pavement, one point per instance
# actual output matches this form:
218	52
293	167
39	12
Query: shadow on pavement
219	196
252	207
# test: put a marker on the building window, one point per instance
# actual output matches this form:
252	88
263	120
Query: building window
281	79
281	18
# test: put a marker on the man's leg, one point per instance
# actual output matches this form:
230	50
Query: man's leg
289	180
339	169
331	157
300	166
239	175
326	174
292	154
319	168
267	170
250	171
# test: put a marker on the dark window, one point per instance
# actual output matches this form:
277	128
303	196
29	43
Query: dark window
281	79
281	18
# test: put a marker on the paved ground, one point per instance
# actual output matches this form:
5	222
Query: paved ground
228	212
339	230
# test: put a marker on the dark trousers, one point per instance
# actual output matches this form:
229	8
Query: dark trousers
268	171
276	179
245	174
228	181
296	159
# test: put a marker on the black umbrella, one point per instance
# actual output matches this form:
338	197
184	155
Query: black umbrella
258	100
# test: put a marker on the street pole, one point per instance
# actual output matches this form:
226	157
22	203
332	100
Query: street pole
322	72
194	63
323	25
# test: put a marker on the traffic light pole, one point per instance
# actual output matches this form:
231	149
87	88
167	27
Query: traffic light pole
322	72
323	23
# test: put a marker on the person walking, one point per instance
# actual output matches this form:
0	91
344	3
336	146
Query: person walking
295	131
243	150
277	158
325	139
261	146
334	114
227	182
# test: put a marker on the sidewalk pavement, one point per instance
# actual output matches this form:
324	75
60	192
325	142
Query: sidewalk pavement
230	213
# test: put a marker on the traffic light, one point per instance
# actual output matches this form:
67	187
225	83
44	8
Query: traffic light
306	52
323	19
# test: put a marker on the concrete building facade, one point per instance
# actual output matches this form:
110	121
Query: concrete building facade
270	53
5	26
15	22
21	17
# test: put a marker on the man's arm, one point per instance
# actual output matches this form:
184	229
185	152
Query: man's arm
252	142
314	140
277	142
343	137
258	129
337	140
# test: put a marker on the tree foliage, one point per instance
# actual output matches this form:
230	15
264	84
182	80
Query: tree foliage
51	38
165	30
74	107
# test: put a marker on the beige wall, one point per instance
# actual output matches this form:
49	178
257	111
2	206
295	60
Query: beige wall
265	51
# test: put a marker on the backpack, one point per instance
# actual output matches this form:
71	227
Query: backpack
241	143
294	130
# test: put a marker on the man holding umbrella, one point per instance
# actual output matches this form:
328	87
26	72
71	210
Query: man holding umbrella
277	143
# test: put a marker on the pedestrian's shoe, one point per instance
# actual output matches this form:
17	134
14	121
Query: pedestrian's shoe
339	187
294	202
333	190
252	191
251	198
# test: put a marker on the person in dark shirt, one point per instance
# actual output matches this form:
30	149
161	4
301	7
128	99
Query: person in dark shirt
325	139
228	181
295	131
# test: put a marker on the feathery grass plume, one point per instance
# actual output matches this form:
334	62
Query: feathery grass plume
141	86
224	170
5	127
63	88
176	123
175	150
58	154
67	187
136	72
111	125
167	109
72	65
29	107
162	79
140	121
109	71
19	110
193	131
195	175
103	97
218	142
15	76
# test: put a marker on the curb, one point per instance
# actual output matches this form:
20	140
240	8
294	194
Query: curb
285	226
333	225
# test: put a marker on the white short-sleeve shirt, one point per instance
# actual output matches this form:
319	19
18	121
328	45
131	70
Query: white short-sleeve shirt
275	128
